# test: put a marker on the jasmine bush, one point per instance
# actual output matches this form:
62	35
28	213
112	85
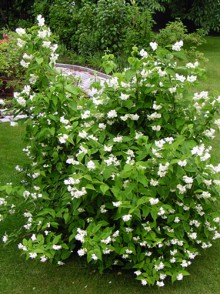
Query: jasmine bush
125	177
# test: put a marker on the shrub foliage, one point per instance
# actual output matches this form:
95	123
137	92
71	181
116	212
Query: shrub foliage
124	177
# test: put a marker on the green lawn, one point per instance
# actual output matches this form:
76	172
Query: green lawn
20	276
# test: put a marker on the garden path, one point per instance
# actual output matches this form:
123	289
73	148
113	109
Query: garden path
86	77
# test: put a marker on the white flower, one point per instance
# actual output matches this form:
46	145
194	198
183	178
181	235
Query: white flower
181	188
177	46
156	128
63	138
63	120
22	247
179	277
33	79
54	47
209	133
163	276
102	126
191	79
192	65
26	89
153	45
161	211
28	57
185	263
56	247
216	236
144	282
91	165
107	240
20	31
82	251
118	139
43	258
180	78
182	162
156	106
107	148
43	34
126	217
154	183
60	263
143	53
86	114
20	42
176	220
72	161
124	96
153	201
193	236
137	273
94	257
83	134
133	116
205	195
160	283
112	114
116	204
40	20
21	101
33	237
159	266
154	116
33	255
172	90
24	64
46	44
188	180
5	238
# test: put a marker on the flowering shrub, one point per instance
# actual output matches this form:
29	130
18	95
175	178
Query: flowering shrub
124	178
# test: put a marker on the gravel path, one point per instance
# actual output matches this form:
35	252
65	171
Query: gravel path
85	75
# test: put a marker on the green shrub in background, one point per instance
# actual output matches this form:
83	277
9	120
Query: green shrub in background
112	25
176	30
10	57
124	178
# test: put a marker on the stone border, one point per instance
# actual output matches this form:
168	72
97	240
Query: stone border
83	69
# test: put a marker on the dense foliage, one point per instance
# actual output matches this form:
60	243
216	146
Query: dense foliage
91	26
124	178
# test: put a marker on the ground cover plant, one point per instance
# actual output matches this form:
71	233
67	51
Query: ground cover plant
92	176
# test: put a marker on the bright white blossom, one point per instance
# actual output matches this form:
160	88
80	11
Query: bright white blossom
153	45
20	31
177	46
179	277
153	201
112	114
127	217
90	165
143	53
40	20
56	247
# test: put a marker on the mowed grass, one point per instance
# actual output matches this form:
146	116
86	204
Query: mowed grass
18	276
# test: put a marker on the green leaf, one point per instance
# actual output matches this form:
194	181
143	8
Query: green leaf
104	188
73	90
39	60
47	211
57	239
